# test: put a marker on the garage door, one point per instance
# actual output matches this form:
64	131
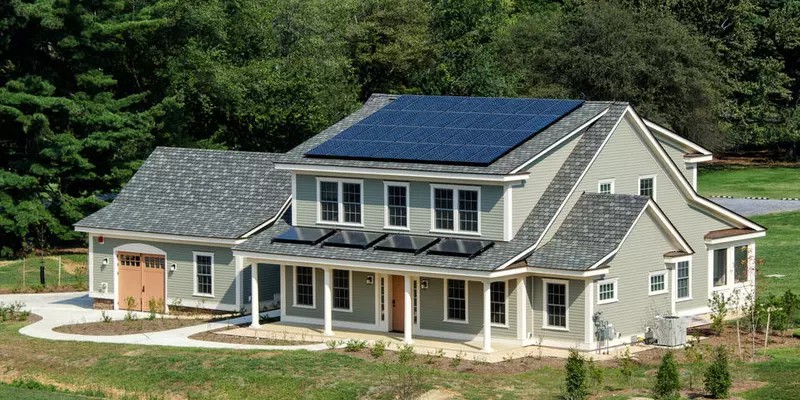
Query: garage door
141	279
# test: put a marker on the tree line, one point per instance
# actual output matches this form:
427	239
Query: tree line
89	88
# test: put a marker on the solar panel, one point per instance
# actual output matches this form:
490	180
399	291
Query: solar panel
303	235
354	239
445	129
406	243
460	247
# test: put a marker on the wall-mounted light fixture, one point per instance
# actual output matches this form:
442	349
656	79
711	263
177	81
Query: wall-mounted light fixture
370	279
424	284
173	267
105	261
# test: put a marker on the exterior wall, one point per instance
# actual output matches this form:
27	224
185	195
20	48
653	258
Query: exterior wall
576	305
432	310
491	198
527	194
675	153
269	284
362	303
625	149
179	282
640	255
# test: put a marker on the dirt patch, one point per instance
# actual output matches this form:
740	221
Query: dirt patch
48	289
127	327
215	336
762	158
439	394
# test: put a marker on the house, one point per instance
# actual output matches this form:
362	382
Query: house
518	221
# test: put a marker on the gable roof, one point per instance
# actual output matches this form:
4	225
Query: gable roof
665	134
595	229
569	124
201	193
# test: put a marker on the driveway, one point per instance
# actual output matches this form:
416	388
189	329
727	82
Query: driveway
750	207
58	309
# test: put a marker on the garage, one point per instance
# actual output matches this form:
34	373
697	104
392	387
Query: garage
141	278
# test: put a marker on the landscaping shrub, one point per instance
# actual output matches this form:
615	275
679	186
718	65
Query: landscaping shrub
626	366
130	302
695	356
668	384
378	349
353	345
791	302
406	354
105	317
595	375
718	304
575	381
718	375
332	344
13	312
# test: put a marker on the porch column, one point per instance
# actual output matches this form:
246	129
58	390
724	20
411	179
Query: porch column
254	302
522	309
487	317
328	303
408	311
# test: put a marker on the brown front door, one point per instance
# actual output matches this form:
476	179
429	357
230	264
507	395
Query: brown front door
141	278
398	303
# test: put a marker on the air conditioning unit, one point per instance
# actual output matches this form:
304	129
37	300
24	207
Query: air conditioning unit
670	331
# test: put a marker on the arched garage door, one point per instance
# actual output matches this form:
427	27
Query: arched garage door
141	279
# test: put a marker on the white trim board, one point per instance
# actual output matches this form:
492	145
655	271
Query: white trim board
673	137
402	174
114	233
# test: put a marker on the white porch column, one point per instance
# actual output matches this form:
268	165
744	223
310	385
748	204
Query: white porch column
254	302
408	310
238	282
487	316
328	303
522	309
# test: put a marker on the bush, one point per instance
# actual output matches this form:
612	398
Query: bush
626	366
575	384
719	310
406	354
353	345
718	375
595	375
378	349
332	344
668	384
105	317
790	304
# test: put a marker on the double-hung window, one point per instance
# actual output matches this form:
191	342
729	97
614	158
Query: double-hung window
341	289
647	186
396	205
683	280
720	267
340	201
555	299
607	291
498	302
657	283
456	209
304	286
456	301
740	263
203	274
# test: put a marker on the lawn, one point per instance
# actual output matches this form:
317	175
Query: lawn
11	273
745	180
780	250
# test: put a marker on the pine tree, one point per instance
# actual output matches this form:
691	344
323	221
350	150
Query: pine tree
718	375
576	379
668	383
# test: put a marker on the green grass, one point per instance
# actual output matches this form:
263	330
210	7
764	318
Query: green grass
780	250
10	392
11	272
743	181
782	372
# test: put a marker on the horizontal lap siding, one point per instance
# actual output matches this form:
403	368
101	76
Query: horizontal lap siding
180	282
641	254
269	283
419	206
676	155
576	305
363	298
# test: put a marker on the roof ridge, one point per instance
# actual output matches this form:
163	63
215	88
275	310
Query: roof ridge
170	148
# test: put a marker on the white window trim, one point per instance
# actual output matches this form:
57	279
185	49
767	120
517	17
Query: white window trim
675	282
728	264
349	290
505	304
545	281
456	217
386	224
313	288
340	200
602	182
639	185
615	283
466	302
650	283
194	274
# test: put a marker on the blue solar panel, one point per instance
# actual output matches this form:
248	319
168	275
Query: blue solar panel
462	130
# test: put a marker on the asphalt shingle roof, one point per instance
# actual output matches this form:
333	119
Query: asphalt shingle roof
594	228
502	165
193	192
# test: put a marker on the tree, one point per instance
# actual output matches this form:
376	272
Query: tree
576	379
668	384
718	375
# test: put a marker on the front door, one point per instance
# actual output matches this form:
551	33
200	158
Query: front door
141	279
398	303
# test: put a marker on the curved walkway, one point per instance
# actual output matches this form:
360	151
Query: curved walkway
58	309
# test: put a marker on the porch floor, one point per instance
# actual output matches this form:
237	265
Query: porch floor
471	350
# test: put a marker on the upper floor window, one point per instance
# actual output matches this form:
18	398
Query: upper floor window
605	186
456	208
647	186
340	201
396	205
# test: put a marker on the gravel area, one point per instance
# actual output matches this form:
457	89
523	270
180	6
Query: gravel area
749	207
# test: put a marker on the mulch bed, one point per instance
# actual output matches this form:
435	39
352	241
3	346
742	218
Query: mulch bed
214	336
127	327
46	289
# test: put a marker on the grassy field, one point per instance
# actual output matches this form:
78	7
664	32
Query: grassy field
780	250
743	181
11	272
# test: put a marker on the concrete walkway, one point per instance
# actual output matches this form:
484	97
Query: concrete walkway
58	309
750	207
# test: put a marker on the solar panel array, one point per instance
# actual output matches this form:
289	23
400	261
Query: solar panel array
445	129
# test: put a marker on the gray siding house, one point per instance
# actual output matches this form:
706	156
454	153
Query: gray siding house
519	221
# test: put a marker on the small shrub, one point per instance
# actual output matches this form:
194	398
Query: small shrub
130	302
575	381
456	361
378	348
406	382
353	345
431	357
791	302
332	344
718	304
406	354
626	366
718	375
695	357
595	374
479	360
105	317
668	384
